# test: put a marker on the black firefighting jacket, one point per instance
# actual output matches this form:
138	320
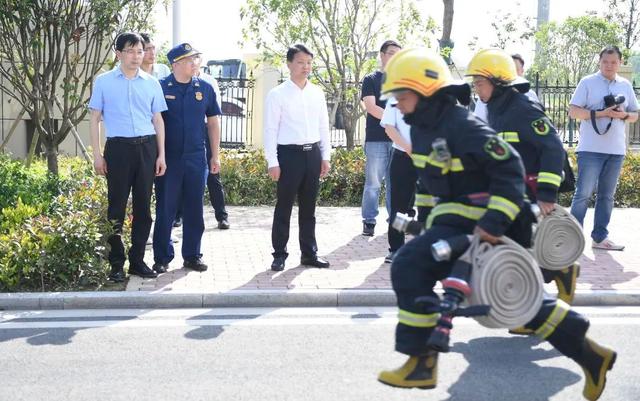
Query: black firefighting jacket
524	125
474	176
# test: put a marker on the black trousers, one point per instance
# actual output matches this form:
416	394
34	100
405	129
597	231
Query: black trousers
414	273
299	177
216	195
130	169
403	188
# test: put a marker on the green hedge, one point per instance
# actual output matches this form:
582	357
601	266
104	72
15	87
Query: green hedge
246	182
52	229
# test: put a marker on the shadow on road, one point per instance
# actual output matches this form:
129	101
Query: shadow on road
514	374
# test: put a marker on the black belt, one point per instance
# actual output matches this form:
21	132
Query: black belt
133	141
305	148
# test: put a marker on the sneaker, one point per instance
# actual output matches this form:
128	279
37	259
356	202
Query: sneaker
368	229
607	245
177	222
389	257
223	224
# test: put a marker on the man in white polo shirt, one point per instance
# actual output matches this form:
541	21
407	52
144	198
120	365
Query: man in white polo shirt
597	102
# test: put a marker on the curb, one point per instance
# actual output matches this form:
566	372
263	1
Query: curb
252	298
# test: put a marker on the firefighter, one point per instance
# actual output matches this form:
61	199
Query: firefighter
523	124
457	158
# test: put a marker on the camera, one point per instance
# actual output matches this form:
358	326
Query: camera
613	100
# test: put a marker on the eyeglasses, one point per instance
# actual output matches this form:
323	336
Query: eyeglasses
191	60
132	52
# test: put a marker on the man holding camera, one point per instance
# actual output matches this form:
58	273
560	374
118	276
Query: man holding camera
604	102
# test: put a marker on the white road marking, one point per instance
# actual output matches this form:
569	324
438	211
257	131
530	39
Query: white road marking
132	318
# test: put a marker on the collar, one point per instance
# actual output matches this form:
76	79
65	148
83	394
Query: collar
139	73
607	80
171	81
293	84
499	101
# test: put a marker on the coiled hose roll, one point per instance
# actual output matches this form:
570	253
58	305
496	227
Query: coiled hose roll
558	241
506	277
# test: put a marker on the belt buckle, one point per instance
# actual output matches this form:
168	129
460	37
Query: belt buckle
307	147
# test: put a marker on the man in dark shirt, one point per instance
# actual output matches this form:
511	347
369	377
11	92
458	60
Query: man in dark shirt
377	145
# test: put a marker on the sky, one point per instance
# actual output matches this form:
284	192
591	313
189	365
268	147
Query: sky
214	26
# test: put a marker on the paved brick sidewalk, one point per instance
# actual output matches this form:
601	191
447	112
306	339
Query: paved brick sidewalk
239	258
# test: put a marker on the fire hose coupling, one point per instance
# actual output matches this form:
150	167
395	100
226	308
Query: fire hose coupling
405	224
451	248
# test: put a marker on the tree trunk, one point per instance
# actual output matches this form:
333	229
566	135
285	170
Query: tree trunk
51	152
447	21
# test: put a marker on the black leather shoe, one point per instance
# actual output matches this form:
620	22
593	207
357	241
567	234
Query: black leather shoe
223	224
278	264
315	262
160	267
142	270
117	274
195	264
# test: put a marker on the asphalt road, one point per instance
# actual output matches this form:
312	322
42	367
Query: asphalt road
284	354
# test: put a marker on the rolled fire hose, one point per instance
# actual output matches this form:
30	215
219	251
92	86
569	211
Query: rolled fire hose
558	241
506	277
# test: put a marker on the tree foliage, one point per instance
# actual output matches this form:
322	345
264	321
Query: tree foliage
51	50
569	50
626	14
343	34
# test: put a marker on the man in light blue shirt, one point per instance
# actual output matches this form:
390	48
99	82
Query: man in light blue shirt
602	141
129	101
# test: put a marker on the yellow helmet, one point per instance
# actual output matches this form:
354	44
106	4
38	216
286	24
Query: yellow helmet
494	64
418	69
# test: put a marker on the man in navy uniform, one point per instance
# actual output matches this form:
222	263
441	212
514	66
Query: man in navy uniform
189	100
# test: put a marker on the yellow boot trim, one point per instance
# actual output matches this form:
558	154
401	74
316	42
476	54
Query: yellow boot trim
592	389
417	372
564	293
523	331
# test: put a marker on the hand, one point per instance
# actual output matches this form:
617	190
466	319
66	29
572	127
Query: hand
214	166
546	207
274	173
161	166
618	114
100	165
324	168
485	236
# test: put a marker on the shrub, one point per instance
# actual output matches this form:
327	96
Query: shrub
58	244
246	182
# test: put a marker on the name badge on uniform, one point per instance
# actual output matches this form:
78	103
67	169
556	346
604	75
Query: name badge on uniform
169	97
198	95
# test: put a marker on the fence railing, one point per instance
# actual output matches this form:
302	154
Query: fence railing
237	96
555	97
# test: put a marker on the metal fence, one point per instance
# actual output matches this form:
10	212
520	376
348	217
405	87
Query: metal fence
556	97
237	96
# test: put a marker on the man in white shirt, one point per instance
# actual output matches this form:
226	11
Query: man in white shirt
149	64
297	148
603	115
481	107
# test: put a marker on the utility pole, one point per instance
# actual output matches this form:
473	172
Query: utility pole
177	25
543	18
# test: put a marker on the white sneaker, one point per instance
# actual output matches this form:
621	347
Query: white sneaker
607	245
